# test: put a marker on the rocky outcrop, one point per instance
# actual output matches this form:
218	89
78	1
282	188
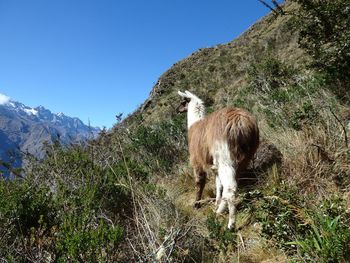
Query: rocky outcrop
266	156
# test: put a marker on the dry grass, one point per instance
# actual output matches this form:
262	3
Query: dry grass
313	143
314	158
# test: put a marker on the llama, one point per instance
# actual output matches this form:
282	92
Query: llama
225	140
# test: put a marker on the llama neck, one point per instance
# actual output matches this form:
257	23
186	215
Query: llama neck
196	112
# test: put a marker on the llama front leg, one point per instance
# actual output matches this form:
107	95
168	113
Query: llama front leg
201	177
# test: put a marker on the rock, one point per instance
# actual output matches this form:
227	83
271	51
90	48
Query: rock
266	156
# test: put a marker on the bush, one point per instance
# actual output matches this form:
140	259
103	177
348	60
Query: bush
319	234
219	233
325	34
280	221
68	208
153	148
328	239
269	74
305	114
26	204
83	238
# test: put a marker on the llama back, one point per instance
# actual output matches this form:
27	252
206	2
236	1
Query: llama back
232	125
239	129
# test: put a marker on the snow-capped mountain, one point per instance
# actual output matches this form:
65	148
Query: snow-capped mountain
25	129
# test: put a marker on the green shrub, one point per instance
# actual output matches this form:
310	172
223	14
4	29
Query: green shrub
26	204
68	208
159	146
24	207
280	221
269	74
325	34
328	239
219	233
306	114
81	238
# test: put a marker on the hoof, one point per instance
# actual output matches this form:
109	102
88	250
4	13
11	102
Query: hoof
222	208
196	205
231	226
219	211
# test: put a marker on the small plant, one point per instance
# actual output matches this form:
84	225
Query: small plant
305	114
219	232
327	241
280	96
82	239
281	217
269	74
324	33
279	222
249	197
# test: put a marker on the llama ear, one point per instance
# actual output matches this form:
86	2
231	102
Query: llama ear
182	94
189	94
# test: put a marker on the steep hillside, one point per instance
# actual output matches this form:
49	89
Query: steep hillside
266	72
218	73
128	195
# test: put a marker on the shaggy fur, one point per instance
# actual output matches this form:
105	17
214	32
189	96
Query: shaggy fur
232	125
225	140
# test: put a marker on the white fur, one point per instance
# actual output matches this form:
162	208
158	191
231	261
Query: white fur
196	109
226	184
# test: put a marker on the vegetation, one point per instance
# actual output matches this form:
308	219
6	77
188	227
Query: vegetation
127	196
325	34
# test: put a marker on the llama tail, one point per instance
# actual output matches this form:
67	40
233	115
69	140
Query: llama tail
243	137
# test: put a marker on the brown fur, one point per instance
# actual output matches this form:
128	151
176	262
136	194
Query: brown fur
236	126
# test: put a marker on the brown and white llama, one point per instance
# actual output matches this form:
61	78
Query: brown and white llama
225	140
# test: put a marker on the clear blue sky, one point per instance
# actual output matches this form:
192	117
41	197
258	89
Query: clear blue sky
93	59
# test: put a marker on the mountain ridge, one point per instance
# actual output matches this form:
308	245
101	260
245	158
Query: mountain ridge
269	34
128	196
25	130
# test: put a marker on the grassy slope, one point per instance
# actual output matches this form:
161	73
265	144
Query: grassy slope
298	114
128	195
218	73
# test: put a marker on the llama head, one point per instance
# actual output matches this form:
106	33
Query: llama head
183	107
193	105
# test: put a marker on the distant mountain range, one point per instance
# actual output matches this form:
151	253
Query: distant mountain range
24	129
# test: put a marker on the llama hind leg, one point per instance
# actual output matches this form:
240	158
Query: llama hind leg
231	197
201	177
228	178
219	189
215	164
222	206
